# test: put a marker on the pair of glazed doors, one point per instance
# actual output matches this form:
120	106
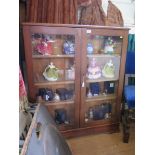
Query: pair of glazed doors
89	62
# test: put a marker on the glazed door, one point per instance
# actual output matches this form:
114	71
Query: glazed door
52	57
101	85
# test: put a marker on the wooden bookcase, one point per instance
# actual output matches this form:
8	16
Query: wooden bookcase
44	43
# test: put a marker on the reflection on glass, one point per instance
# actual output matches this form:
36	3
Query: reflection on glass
61	116
103	68
109	87
109	46
102	111
57	93
60	50
97	44
47	44
100	89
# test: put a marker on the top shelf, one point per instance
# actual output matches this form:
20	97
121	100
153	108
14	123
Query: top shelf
72	56
76	26
52	56
101	80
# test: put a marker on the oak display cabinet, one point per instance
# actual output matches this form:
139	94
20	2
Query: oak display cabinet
88	63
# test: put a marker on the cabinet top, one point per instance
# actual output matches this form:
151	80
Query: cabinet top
75	26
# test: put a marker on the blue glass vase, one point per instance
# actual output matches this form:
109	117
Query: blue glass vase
90	48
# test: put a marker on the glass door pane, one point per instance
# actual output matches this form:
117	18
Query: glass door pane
54	73
100	44
102	75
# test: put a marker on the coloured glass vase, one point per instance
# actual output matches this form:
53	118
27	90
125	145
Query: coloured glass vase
69	47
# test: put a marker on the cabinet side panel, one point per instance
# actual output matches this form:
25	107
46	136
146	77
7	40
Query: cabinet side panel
77	74
83	75
29	67
122	72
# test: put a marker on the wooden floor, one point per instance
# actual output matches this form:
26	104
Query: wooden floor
103	144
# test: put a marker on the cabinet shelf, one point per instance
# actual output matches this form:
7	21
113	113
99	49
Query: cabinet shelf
103	55
77	39
101	97
52	56
41	81
101	80
53	83
62	127
52	103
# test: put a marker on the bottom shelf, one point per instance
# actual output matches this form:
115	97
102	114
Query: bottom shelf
63	127
98	122
102	128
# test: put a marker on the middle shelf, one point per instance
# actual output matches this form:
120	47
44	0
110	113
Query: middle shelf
53	56
101	97
67	102
92	99
43	83
101	80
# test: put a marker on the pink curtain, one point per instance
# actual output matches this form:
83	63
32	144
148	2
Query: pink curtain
23	101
